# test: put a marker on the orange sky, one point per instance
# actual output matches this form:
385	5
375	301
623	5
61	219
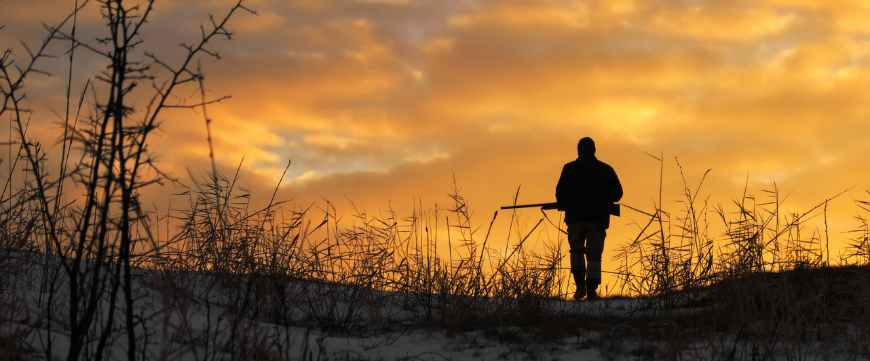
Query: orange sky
383	101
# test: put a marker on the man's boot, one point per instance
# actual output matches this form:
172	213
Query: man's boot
591	287
580	281
594	274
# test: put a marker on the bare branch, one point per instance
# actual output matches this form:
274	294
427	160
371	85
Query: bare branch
189	106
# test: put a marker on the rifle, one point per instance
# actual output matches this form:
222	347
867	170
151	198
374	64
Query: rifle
614	208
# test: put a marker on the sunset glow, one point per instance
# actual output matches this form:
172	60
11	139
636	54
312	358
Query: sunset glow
383	102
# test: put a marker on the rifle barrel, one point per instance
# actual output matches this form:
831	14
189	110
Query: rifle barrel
614	208
552	205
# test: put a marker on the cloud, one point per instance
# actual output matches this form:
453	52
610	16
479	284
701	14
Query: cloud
388	2
713	24
386	100
539	14
435	46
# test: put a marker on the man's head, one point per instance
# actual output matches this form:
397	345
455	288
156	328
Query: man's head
586	147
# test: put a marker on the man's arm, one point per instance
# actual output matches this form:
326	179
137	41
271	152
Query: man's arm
615	188
562	188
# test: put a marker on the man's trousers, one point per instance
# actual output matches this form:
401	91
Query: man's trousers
586	239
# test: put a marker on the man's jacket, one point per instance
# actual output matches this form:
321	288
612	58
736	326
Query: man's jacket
586	190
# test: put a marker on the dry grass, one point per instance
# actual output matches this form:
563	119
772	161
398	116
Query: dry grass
765	288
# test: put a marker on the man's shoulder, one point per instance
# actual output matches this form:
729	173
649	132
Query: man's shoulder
587	163
604	165
577	165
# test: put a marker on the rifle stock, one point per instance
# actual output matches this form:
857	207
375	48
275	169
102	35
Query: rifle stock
614	208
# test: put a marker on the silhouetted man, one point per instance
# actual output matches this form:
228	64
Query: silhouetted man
586	190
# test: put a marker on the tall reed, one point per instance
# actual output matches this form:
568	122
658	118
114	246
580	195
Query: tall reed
361	273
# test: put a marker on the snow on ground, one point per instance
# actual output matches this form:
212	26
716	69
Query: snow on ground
188	316
202	323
